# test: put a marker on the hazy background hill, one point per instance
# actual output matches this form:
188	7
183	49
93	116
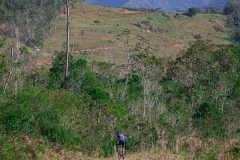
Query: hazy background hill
165	5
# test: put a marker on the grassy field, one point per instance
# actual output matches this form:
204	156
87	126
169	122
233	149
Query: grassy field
169	32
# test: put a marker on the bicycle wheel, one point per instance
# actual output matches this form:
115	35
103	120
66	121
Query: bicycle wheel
120	152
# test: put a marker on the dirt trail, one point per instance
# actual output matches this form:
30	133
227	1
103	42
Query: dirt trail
173	44
151	155
42	61
137	156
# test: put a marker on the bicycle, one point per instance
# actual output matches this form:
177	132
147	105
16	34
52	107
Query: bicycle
120	152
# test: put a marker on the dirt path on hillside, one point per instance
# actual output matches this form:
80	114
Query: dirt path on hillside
43	61
173	44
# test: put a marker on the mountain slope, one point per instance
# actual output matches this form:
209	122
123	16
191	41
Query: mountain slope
170	32
165	5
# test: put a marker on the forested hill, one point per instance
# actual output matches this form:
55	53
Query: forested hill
186	107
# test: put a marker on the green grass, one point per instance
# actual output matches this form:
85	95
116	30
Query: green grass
213	16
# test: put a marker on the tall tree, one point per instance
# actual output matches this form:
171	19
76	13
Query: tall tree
67	34
30	23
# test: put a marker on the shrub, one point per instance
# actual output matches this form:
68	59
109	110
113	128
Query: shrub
192	12
198	36
96	21
57	133
149	18
15	119
27	113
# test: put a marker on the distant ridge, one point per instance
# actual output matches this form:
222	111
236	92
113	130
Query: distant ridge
165	5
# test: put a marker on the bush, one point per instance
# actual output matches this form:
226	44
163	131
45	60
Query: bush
8	150
15	119
27	113
96	21
192	12
149	18
49	124
198	36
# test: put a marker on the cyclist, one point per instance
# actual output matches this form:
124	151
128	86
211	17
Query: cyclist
121	139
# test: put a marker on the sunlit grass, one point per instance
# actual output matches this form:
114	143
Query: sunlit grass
176	27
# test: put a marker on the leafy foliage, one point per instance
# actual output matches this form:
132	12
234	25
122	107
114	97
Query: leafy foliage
76	68
3	65
232	9
192	11
37	15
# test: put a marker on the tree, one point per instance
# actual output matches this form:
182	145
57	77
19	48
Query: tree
34	19
125	37
232	9
228	8
77	69
206	73
3	65
192	11
67	35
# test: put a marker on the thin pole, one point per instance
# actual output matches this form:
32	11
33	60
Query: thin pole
67	45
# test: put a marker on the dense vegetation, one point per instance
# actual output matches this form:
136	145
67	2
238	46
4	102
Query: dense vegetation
30	21
199	92
151	100
233	11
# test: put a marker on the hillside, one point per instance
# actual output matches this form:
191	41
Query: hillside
92	26
164	5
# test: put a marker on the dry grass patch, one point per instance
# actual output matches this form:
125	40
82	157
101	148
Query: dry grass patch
91	31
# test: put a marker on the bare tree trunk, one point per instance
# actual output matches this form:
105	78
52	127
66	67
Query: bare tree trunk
12	61
18	49
67	45
127	49
128	67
